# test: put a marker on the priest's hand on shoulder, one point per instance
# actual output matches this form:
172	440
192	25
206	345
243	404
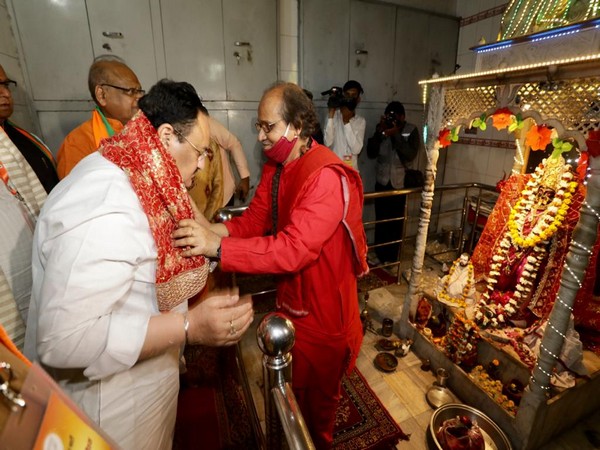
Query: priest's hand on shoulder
197	239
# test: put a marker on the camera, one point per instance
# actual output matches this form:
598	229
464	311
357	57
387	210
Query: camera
390	121
336	97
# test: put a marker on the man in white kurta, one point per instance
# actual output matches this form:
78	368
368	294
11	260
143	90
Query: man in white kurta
109	303
21	197
344	129
94	252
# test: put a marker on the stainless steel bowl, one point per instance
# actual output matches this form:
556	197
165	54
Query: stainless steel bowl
494	437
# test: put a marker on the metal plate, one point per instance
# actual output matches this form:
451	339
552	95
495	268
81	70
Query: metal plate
437	396
494	437
386	362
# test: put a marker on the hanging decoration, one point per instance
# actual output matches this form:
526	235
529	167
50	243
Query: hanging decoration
446	137
523	17
538	137
502	118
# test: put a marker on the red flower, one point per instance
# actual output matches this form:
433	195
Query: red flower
502	118
445	137
538	137
582	165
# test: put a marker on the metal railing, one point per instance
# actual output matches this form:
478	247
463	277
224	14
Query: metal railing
275	335
466	214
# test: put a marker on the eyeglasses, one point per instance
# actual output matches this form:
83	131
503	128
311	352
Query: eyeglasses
132	92
8	84
266	126
201	154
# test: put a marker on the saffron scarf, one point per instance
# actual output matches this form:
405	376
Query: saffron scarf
158	184
101	127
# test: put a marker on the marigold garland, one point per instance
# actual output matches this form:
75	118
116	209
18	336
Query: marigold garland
495	307
552	217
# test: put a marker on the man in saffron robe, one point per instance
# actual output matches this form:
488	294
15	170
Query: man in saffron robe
38	156
304	224
115	89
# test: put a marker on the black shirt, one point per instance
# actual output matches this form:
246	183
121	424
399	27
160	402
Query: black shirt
39	162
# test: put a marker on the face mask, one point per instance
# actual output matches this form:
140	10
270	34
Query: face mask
282	148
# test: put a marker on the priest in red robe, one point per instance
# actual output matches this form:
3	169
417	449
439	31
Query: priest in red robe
305	225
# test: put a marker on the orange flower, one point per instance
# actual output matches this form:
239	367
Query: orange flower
445	137
538	137
502	118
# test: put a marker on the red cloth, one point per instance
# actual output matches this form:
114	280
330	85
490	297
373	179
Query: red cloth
319	251
157	182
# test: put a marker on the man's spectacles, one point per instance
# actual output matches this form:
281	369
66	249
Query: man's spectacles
266	126
201	154
132	92
8	84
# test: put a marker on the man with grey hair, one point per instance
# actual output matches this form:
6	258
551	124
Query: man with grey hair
26	172
36	153
115	89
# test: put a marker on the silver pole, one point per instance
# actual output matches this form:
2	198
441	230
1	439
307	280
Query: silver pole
275	335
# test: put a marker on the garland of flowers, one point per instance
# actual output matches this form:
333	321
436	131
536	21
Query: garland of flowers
496	307
460	301
553	216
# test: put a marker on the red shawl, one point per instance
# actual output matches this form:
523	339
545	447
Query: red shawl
157	182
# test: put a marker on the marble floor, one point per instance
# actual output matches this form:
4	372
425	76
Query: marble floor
403	391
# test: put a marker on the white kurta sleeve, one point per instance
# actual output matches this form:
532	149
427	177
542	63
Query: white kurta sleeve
354	131
94	282
329	132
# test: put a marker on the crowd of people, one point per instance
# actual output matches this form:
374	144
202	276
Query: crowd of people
103	275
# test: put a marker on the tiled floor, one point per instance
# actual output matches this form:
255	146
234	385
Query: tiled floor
403	391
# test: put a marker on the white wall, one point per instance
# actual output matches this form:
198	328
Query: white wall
288	40
464	163
471	33
470	162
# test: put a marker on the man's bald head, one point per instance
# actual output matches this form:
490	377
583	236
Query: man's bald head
105	70
110	82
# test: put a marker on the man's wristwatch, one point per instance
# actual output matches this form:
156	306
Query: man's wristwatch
214	261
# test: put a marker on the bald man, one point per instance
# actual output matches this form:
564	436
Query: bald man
115	89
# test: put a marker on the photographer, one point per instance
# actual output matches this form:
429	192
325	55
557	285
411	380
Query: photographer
395	145
345	130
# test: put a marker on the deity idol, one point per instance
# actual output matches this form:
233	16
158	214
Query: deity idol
528	250
458	287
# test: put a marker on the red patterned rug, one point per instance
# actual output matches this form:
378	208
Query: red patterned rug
362	422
